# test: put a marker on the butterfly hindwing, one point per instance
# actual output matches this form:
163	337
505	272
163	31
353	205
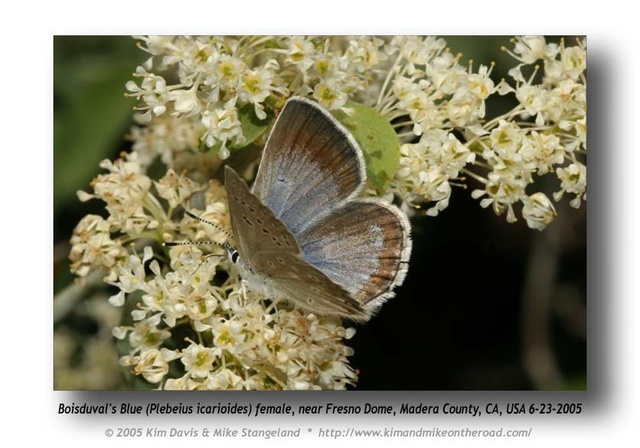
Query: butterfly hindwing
362	245
301	283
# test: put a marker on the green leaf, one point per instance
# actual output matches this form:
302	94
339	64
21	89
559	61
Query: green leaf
252	129
378	140
252	126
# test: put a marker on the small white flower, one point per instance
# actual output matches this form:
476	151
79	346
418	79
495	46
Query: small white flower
574	180
152	364
186	102
93	248
300	52
222	125
538	211
530	48
330	95
198	360
176	189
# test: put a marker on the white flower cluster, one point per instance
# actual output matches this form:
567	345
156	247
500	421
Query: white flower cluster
450	135
437	106
193	309
216	76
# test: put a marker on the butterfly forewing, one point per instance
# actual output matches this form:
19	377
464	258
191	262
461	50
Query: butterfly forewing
255	228
309	165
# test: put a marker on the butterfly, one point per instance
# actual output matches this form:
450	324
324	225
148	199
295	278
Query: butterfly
302	232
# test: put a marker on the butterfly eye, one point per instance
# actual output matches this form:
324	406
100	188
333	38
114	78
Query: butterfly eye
233	255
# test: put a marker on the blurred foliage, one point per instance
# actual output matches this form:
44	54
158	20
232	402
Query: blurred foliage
91	115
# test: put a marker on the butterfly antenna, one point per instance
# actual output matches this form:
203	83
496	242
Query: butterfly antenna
198	243
188	213
226	245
